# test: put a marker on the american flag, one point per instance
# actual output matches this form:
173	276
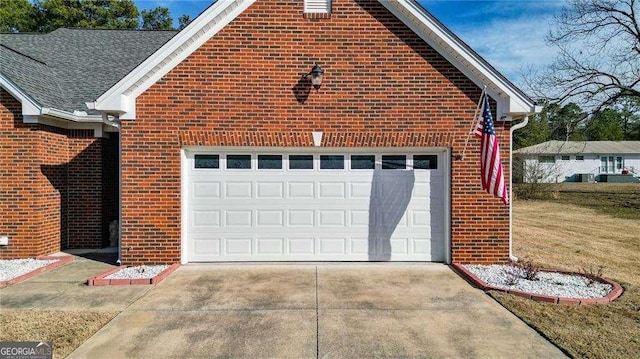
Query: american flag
490	162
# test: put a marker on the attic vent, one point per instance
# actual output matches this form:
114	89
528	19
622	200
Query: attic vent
317	6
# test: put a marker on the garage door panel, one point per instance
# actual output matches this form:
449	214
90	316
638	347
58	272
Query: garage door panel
206	218
239	218
422	246
301	218
331	190
206	247
302	246
420	218
359	246
206	190
270	246
270	190
398	246
332	246
359	218
238	246
238	190
331	218
314	214
302	190
360	190
269	218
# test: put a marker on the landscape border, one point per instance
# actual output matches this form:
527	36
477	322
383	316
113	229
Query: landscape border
613	295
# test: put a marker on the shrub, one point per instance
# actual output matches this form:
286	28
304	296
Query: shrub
592	274
528	269
513	274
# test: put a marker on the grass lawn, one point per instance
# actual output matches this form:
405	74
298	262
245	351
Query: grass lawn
67	330
577	236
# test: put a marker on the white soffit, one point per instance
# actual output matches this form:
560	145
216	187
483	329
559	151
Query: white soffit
120	99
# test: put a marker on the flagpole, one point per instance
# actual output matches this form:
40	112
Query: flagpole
473	124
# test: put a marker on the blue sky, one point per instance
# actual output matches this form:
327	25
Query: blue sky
507	33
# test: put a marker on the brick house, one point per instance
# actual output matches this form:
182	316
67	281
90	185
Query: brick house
211	144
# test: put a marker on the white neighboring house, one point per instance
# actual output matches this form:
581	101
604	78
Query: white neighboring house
580	161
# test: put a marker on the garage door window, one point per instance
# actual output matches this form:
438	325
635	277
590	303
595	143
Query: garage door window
331	162
425	162
207	161
301	162
363	162
395	162
269	162
235	162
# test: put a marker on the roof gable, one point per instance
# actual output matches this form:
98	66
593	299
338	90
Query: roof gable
120	100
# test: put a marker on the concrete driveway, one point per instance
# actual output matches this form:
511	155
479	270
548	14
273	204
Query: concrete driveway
289	311
306	311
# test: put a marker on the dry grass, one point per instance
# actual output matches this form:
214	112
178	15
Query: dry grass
597	187
67	330
620	200
569	237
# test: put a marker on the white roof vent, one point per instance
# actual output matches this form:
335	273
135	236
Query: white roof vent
317	6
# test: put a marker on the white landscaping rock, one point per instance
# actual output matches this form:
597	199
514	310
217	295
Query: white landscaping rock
13	268
547	283
137	272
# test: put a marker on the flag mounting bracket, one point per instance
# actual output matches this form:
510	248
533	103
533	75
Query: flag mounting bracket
474	123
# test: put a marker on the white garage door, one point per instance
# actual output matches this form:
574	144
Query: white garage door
304	206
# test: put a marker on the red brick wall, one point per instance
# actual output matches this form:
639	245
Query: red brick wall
380	78
50	197
84	201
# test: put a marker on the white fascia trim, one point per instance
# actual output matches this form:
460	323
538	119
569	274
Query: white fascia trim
29	106
74	117
120	99
33	113
510	100
184	250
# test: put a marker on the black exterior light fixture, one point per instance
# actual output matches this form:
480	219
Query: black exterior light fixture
316	75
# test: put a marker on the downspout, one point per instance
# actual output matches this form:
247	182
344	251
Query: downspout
513	128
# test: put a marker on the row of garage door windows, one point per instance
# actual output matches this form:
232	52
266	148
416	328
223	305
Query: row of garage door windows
327	162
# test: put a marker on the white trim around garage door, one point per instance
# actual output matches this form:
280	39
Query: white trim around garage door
186	162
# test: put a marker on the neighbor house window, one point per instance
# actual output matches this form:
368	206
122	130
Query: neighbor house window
566	158
546	159
619	163
579	158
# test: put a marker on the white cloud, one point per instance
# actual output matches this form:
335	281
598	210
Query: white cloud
511	44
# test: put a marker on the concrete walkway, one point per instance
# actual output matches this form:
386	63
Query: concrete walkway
289	311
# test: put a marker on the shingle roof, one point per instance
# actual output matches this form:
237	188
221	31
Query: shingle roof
587	147
68	67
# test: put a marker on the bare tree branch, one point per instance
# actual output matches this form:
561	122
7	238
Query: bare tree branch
598	60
